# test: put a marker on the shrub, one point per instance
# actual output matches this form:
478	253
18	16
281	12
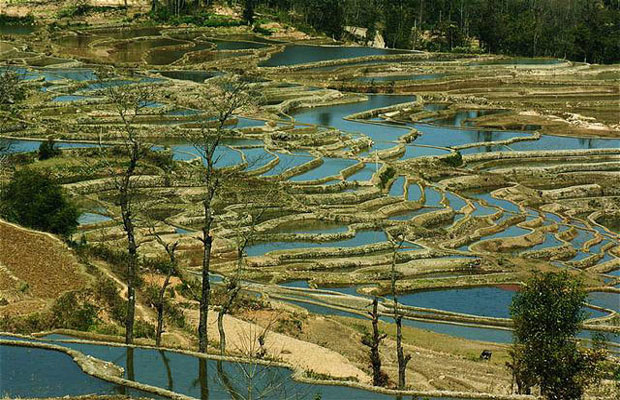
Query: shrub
34	200
385	176
454	160
143	329
70	312
107	329
163	15
262	31
80	7
11	90
14	20
48	149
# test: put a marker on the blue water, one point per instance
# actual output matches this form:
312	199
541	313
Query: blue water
29	373
301	54
92	218
333	116
224	155
483	211
433	197
192	376
27	146
257	157
456	202
360	239
247	123
53	75
364	174
606	300
582	237
79	75
548	142
503	204
581	255
449	137
414	193
483	301
288	161
398	187
296	284
511	231
553	217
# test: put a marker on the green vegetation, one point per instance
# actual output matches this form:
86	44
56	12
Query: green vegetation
547	316
36	201
48	149
70	312
82	7
15	20
168	16
454	160
579	30
11	92
385	176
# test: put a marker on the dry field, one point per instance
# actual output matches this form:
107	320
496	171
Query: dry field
35	268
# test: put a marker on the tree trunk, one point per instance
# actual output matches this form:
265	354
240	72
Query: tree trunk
206	291
402	359
375	357
220	318
400	353
203	379
132	262
161	298
160	324
220	327
131	374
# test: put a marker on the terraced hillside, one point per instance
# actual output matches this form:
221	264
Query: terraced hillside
487	168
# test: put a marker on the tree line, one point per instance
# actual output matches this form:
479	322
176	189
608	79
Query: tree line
580	30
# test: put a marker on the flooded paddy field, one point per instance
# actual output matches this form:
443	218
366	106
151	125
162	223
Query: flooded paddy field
476	162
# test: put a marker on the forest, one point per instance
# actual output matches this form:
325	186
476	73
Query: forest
579	30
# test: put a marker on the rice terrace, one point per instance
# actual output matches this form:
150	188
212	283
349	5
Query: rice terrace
310	199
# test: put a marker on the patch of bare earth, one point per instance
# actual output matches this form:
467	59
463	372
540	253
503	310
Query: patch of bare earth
242	338
35	269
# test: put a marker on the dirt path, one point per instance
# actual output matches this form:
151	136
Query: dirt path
141	310
242	337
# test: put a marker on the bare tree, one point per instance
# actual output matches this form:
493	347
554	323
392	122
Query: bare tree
373	341
225	97
128	102
403	360
257	377
170	269
243	237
